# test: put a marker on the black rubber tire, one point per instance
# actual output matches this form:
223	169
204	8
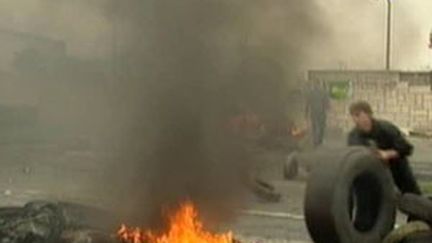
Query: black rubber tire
329	202
416	206
291	166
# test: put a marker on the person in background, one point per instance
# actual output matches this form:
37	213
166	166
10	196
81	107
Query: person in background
388	142
317	105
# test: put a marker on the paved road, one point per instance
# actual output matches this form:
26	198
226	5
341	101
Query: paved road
285	225
47	172
293	192
31	172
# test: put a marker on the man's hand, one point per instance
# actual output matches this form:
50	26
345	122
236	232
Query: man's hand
387	155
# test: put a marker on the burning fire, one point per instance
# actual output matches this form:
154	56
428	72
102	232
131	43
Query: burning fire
184	227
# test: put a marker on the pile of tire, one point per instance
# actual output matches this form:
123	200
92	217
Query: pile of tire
350	197
418	230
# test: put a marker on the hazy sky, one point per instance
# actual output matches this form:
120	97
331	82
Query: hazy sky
357	36
354	36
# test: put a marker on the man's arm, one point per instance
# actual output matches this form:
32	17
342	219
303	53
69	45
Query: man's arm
400	144
354	138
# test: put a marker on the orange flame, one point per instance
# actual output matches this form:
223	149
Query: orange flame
184	227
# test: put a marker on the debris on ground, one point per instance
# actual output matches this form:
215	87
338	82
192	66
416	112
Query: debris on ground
47	222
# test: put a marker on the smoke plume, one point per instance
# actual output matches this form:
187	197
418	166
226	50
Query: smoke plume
187	67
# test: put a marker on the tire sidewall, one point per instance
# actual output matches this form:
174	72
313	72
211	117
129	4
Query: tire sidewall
328	191
357	163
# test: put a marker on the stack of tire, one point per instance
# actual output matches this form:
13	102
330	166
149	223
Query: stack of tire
350	198
418	230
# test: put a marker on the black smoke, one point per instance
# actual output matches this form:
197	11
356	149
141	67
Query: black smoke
183	68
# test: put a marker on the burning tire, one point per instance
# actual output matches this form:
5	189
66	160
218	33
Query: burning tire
291	166
350	198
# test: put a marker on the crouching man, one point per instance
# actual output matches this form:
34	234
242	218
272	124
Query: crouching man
390	145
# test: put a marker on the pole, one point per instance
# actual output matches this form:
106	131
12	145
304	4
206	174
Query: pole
389	18
114	45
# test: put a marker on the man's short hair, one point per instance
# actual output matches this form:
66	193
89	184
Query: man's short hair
360	106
